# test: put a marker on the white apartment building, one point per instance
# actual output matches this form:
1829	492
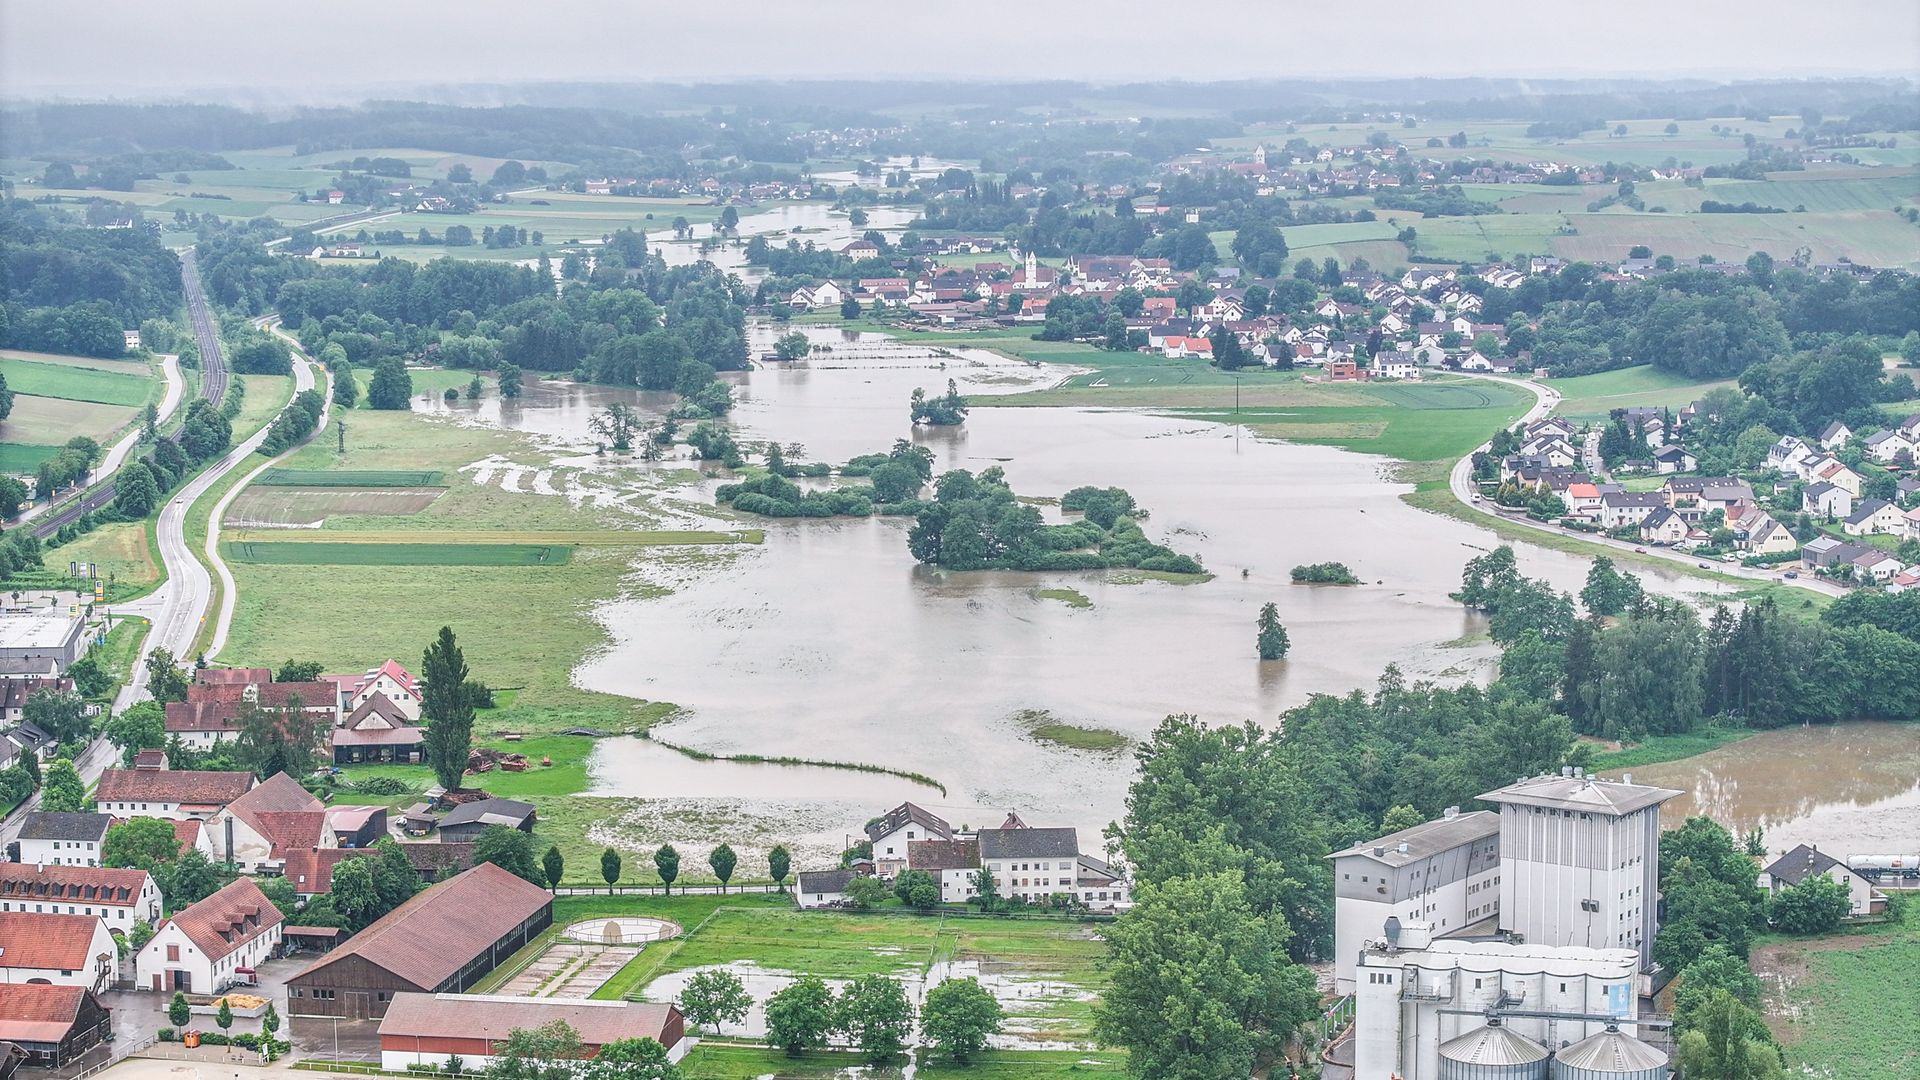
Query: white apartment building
1445	872
1580	861
121	897
57	839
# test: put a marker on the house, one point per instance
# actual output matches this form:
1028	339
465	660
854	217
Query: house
443	940
1663	526
215	676
202	950
168	793
898	827
1872	564
822	888
1835	436
310	872
256	831
1827	501
1787	453
427	1031
64	950
389	680
1833	472
1875	517
1583	499
1888	447
378	730
1623	508
15	692
52	1025
1804	862
437	862
63	839
467	821
1395	365
1673	459
1765	536
121	897
1912	518
955	864
1032	864
861	249
1825	551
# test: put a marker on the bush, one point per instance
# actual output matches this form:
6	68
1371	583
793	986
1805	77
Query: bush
1324	573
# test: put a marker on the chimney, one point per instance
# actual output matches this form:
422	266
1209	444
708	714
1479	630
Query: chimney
1378	852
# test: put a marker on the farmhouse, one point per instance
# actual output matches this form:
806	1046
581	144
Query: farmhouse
201	950
389	680
426	1030
900	827
1805	862
378	730
257	830
65	950
63	839
168	793
467	821
121	897
952	863
443	940
52	1025
822	888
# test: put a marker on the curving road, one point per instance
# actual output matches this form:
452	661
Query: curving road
1545	400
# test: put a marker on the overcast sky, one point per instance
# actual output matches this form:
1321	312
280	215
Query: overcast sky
176	48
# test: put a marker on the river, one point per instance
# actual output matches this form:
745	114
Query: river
829	642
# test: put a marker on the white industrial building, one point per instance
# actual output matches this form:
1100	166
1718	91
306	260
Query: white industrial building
1580	861
39	644
1445	872
1423	1008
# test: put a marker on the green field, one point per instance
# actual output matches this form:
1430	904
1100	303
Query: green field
1592	396
1428	421
23	458
1848	1000
74	383
298	553
351	478
711	1061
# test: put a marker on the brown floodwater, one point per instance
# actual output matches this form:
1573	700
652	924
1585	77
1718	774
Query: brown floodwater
1850	789
829	642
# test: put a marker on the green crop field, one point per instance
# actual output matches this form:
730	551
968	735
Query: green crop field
302	553
75	383
1848	1000
1411	422
351	478
21	458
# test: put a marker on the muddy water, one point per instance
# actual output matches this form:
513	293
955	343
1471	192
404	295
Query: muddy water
1851	789
828	642
807	223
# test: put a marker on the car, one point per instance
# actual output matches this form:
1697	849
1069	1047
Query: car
1791	574
1703	566
1642	551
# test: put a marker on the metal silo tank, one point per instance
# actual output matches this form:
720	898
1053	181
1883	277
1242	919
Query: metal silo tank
1492	1053
1610	1055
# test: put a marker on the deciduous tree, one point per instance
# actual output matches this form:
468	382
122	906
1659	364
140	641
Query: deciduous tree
713	997
874	1014
959	1017
800	1016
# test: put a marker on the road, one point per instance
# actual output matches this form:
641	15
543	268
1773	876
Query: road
117	455
1545	400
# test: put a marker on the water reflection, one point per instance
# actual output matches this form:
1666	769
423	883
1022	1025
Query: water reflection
1848	788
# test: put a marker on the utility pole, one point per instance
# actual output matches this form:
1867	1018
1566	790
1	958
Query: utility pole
340	431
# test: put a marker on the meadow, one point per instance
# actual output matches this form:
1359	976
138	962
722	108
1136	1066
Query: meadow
1591	397
427	554
1848	1000
61	397
351	478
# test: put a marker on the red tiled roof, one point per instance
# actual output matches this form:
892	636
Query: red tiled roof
313	695
203	716
187	832
33	940
937	855
37	1012
286	814
442	928
228	919
15	692
230	676
171	786
87	884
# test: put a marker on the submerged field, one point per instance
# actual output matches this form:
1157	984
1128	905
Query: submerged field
1847	1005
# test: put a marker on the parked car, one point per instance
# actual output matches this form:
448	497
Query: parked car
1791	574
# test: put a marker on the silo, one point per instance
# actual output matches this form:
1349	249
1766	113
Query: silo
1492	1053
1610	1055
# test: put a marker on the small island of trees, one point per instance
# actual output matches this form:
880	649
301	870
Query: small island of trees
944	411
1324	573
976	523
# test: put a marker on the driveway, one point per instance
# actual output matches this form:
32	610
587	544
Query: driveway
138	1014
333	1039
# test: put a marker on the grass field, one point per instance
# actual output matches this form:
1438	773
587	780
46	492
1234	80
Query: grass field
71	382
1848	1001
1592	396
39	426
117	655
291	553
351	478
308	507
710	1061
1428	421
121	551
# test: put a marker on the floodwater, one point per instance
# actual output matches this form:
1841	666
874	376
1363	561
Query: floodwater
620	766
808	223
828	642
1849	789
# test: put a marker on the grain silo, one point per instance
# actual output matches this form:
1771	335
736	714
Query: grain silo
1492	1053
1610	1055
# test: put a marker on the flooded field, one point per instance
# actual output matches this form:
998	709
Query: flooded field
829	642
1850	789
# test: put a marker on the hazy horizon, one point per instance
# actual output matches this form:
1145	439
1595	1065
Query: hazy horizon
355	49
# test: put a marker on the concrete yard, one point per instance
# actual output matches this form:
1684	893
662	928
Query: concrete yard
569	970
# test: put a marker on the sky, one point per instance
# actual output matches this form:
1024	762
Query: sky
181	49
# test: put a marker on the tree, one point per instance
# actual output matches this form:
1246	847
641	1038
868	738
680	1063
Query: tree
140	843
1716	969
165	681
509	376
510	849
1608	591
355	893
63	791
792	346
714	996
874	1014
1201	986
136	492
864	892
189	879
610	868
800	1016
986	890
630	1059
13	493
722	860
179	1010
1727	1042
551	1051
849	308
617	423
917	889
1815	906
286	739
447	707
391	387
779	863
1272	639
959	1017
61	714
224	1017
666	863
552	866
270	1021
1401	817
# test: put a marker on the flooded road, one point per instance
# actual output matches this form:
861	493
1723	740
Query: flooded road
1850	789
829	642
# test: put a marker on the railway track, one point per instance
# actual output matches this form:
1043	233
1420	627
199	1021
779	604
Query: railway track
213	387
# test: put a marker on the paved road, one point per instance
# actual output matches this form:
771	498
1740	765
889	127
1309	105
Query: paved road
117	455
1545	400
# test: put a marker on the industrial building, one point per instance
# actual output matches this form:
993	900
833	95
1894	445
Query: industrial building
1445	872
1451	1009
40	644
